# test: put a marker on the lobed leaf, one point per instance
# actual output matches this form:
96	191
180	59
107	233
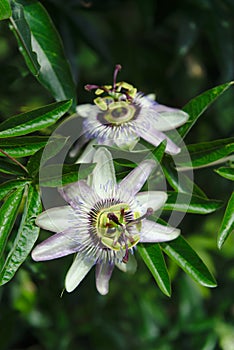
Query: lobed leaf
11	185
8	167
26	236
25	146
207	153
184	256
56	175
54	72
5	9
226	172
37	119
154	260
191	204
227	225
197	106
8	214
22	32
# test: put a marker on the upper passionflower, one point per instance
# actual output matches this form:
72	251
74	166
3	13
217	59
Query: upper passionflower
102	222
120	116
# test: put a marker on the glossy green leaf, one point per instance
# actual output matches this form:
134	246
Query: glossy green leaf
154	260
5	9
179	181
185	203
8	214
184	256
159	151
197	106
37	119
207	153
11	185
59	175
226	172
54	73
227	225
22	32
18	147
53	147
8	167
26	236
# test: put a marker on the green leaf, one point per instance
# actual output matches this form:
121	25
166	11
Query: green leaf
54	73
53	147
226	172
18	147
26	236
191	204
179	181
8	214
8	167
21	30
184	256
158	152
37	119
11	185
227	225
56	175
197	106
206	153
5	9
153	258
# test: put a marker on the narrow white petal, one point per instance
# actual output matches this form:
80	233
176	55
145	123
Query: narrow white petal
151	199
78	270
134	181
104	179
78	193
56	219
103	275
155	137
164	118
87	110
57	246
130	266
153	232
87	154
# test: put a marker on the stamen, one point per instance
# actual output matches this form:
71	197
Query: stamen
113	217
118	67
136	221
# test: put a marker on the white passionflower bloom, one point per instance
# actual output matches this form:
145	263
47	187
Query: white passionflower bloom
102	222
120	116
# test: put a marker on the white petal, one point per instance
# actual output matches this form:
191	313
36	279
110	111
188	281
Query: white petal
155	137
103	275
87	110
87	154
153	232
134	181
78	270
57	246
130	266
165	118
104	179
151	199
56	219
78	193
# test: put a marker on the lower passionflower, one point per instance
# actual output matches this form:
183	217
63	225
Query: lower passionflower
120	116
103	222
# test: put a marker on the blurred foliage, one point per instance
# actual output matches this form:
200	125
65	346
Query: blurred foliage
176	49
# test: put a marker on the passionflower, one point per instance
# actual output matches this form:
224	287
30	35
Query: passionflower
103	222
120	116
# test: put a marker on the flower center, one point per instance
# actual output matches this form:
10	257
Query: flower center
117	113
118	227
